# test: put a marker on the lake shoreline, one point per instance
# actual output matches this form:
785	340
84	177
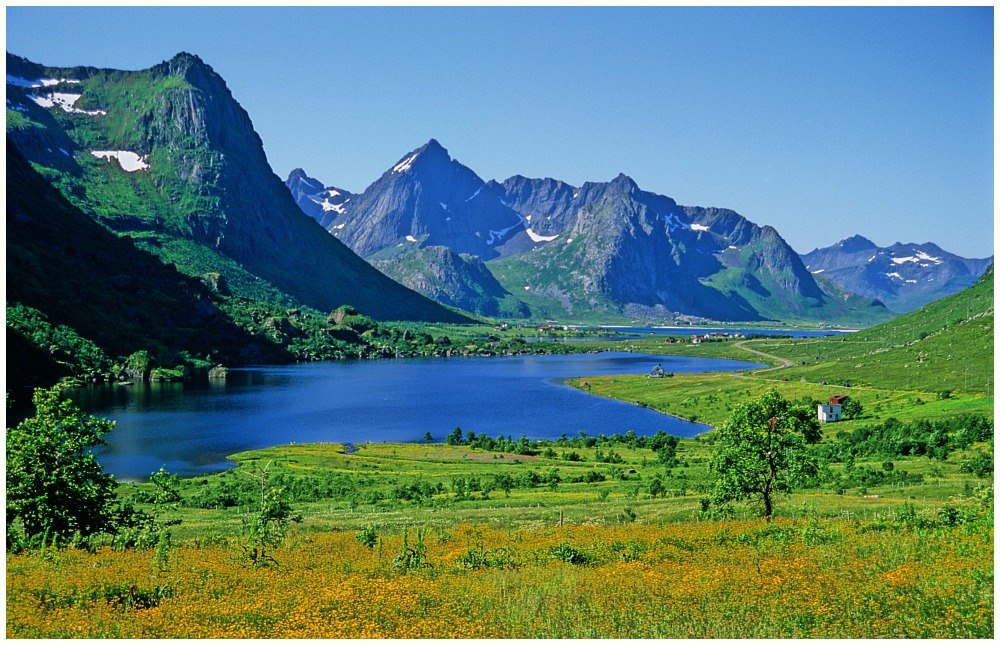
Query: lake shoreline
189	428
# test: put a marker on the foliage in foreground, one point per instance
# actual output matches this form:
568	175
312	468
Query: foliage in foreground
760	451
55	486
912	577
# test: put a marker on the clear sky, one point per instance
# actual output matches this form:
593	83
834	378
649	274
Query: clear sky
823	123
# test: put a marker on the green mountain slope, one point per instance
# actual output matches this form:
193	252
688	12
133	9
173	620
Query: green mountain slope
455	279
180	168
62	263
946	345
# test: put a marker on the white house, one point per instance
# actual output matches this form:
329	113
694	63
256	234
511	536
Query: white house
828	412
831	412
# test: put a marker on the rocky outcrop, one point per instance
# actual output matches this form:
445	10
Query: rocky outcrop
458	280
218	372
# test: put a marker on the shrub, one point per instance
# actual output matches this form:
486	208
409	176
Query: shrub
55	485
569	554
367	536
979	464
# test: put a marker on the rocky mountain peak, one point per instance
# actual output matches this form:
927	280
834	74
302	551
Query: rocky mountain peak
434	148
624	183
298	177
431	156
856	243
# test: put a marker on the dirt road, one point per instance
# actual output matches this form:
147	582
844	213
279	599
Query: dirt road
785	362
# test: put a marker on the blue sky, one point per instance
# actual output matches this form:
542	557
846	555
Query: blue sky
823	123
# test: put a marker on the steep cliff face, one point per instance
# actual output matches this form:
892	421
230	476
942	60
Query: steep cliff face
169	153
429	199
80	275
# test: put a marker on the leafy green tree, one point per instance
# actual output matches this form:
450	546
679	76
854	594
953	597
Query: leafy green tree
656	487
978	464
504	482
760	451
852	408
667	454
55	485
455	437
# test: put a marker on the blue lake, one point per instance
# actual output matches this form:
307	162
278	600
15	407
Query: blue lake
189	429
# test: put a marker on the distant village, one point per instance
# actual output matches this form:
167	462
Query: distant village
705	338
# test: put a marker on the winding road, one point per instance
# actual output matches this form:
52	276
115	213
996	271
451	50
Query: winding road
785	362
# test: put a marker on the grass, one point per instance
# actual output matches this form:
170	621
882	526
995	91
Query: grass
364	487
742	579
931	363
710	397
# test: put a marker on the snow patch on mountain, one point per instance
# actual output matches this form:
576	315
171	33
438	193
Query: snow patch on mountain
129	161
920	256
699	227
535	237
336	208
64	101
475	194
496	236
404	165
38	82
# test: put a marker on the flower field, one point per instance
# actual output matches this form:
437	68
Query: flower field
737	579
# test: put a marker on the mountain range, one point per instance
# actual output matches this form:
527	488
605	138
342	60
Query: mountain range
903	276
166	160
600	251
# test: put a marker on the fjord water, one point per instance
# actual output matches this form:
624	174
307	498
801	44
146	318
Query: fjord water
190	429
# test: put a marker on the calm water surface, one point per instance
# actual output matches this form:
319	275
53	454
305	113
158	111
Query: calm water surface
189	429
